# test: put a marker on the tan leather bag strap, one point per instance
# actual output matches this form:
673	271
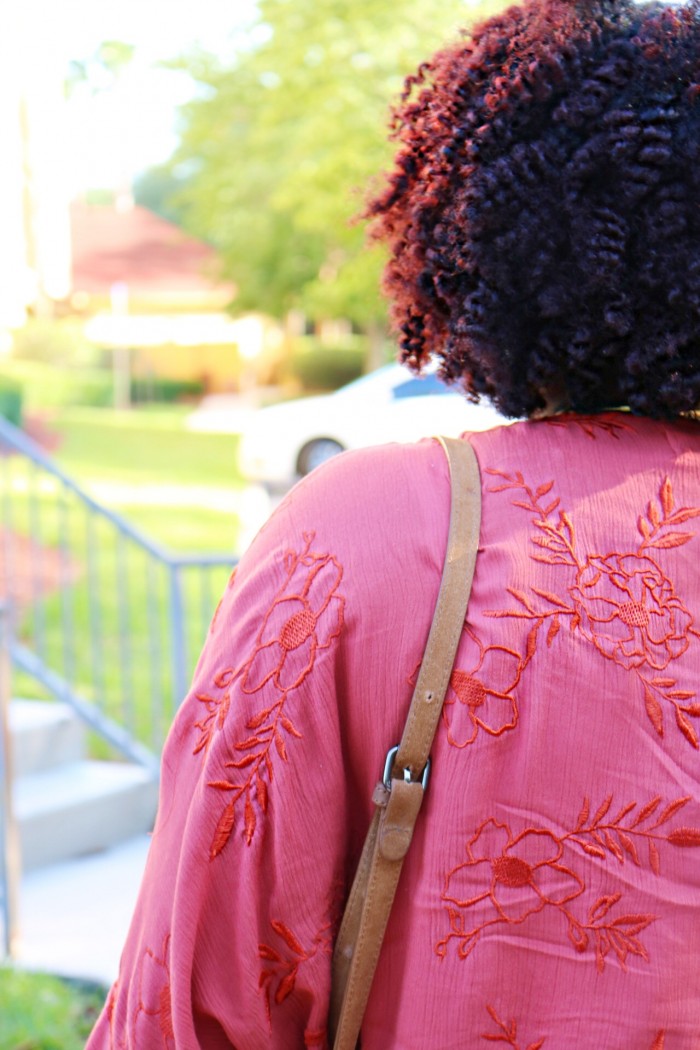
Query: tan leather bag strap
399	795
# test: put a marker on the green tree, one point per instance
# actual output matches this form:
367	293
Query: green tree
283	142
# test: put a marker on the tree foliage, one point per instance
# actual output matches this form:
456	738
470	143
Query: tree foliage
282	144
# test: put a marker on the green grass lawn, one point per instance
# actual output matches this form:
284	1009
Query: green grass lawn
38	1012
107	628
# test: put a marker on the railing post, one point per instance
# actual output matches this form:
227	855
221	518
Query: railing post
178	652
9	836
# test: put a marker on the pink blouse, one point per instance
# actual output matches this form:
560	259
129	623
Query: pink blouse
551	897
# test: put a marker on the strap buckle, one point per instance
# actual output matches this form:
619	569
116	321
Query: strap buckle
389	768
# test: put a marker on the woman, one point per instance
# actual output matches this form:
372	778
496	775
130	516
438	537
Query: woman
543	219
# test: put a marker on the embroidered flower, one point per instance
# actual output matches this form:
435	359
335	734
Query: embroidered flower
304	618
630	611
482	698
518	876
153	1022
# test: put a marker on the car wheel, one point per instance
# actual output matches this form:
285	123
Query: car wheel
315	453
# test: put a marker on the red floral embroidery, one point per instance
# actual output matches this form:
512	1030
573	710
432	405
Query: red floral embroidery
514	876
282	964
590	425
482	697
507	1033
112	1006
316	1039
153	1013
659	1041
217	708
508	877
629	610
304	619
623	603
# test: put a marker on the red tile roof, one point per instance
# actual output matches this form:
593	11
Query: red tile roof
135	247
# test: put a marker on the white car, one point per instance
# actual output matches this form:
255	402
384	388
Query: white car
284	441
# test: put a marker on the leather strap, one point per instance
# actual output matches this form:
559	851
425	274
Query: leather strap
369	904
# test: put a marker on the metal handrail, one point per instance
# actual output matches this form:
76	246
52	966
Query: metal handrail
138	598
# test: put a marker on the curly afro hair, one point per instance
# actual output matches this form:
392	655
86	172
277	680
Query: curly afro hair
543	214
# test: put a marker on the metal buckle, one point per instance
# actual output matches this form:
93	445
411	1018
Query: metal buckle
389	768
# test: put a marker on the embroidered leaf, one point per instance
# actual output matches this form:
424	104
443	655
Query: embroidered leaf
659	1041
553	630
553	598
594	851
223	831
682	515
629	846
222	785
286	986
265	952
521	597
269	767
680	694
583	815
290	727
552	507
536	1046
666	496
671	539
257	720
671	810
646	811
623	813
468	943
252	741
653	709
261	792
686	727
613	847
531	647
566	521
544	489
643	526
250	820
224	678
691	709
664	683
241	763
288	937
602	906
684	837
653	515
577	935
280	745
635	923
654	862
523	506
602	810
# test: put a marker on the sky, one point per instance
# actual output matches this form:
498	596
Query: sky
113	133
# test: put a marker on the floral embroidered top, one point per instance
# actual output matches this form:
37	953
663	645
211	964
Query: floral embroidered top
552	894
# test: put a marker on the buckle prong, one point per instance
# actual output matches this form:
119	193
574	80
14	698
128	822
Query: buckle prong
389	769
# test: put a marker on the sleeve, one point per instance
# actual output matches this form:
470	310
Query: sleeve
230	944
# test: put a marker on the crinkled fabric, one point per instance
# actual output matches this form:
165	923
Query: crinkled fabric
551	895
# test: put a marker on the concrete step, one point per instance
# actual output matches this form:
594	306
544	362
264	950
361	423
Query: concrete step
44	735
81	807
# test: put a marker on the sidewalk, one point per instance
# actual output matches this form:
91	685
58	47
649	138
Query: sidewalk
74	916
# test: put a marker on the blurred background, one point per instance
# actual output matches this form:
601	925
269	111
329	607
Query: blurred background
178	252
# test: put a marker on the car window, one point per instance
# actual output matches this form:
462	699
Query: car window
419	386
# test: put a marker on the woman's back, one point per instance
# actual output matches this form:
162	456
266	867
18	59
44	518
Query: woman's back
550	896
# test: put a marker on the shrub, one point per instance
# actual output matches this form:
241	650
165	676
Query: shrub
318	367
11	401
165	390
